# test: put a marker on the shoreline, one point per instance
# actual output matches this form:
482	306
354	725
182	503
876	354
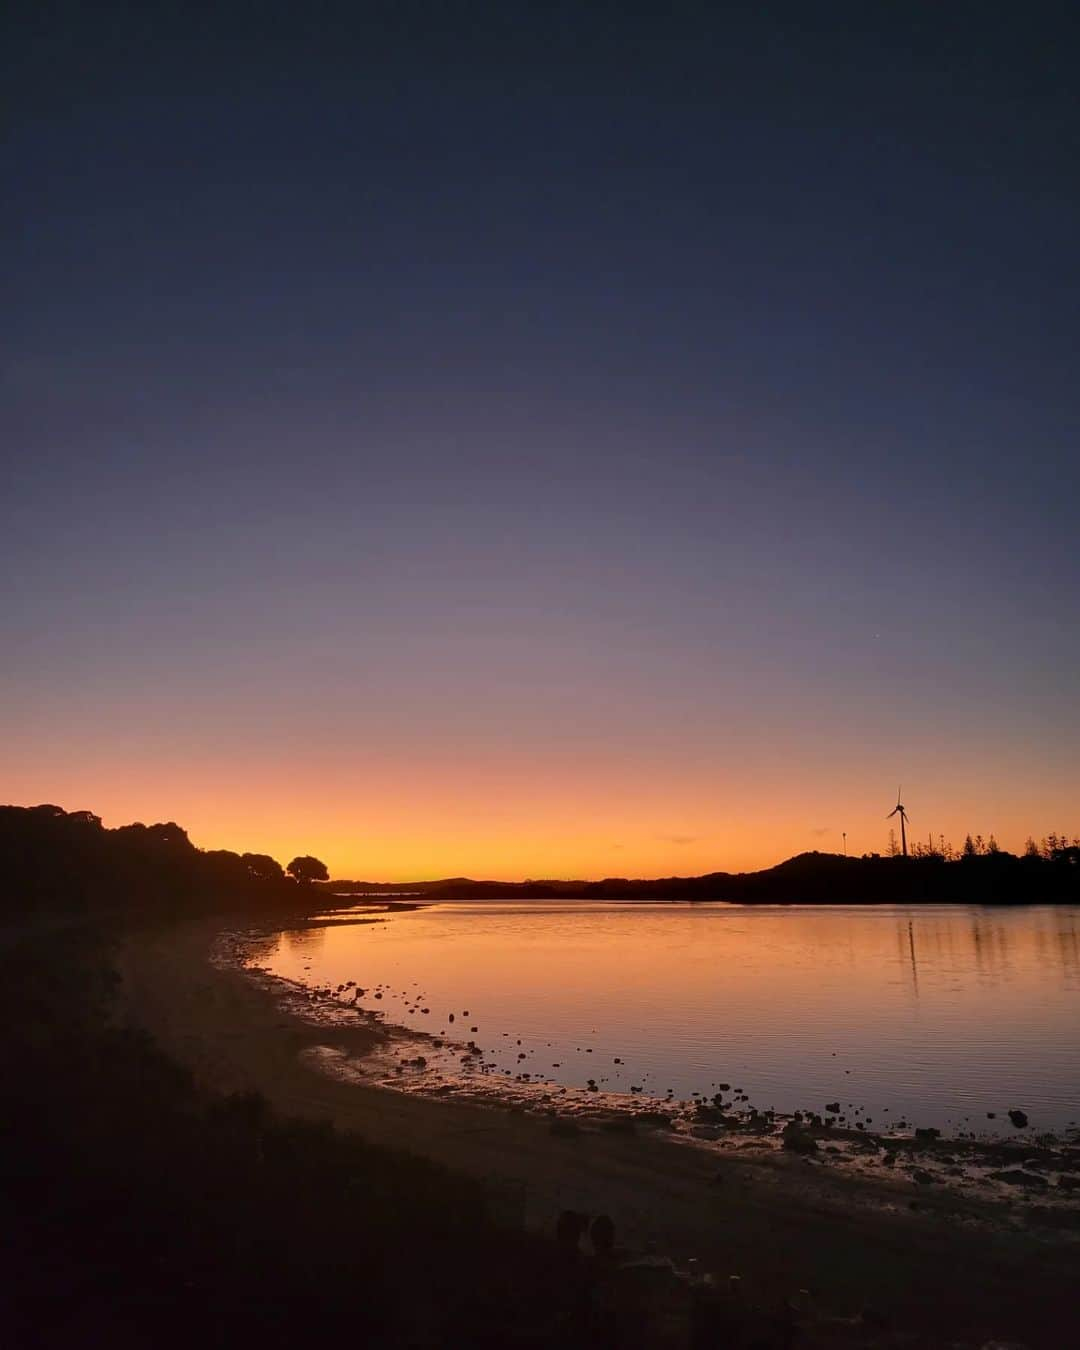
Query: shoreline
779	1219
1030	1164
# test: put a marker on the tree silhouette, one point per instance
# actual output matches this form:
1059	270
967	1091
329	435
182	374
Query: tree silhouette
307	869
263	866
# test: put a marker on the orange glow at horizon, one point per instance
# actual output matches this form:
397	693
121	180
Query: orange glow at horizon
543	819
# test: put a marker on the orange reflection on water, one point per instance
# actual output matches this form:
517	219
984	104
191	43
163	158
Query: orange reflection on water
942	1014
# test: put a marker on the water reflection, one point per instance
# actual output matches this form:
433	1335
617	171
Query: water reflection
304	942
944	1013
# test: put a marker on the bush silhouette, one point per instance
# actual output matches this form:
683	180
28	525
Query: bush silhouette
306	868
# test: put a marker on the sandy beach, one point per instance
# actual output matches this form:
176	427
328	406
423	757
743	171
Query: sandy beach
933	1256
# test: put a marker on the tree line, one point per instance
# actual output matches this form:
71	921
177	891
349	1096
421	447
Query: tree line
1052	848
55	859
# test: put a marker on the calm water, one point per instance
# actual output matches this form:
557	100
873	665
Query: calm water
937	1015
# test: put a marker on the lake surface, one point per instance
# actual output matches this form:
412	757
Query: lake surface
936	1015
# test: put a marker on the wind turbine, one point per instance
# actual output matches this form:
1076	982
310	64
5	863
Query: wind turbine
898	810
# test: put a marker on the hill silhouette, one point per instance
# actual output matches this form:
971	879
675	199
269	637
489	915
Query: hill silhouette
808	878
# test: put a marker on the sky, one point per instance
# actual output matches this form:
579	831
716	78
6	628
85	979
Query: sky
542	440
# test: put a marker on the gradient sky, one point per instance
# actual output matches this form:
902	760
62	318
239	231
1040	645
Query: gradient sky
542	440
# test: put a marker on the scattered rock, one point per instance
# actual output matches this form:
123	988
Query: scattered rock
657	1119
1019	1119
796	1140
1013	1176
929	1134
922	1176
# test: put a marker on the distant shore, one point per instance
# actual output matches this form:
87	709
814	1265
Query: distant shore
766	1213
992	878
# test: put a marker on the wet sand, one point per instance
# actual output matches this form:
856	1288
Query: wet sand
961	1264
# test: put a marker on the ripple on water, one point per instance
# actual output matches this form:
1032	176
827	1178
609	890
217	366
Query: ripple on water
934	1015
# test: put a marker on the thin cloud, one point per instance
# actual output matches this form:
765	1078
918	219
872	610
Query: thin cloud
678	838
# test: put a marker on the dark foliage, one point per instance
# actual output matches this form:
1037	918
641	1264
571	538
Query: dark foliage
53	860
306	868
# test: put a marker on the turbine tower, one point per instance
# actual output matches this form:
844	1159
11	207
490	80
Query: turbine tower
898	810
